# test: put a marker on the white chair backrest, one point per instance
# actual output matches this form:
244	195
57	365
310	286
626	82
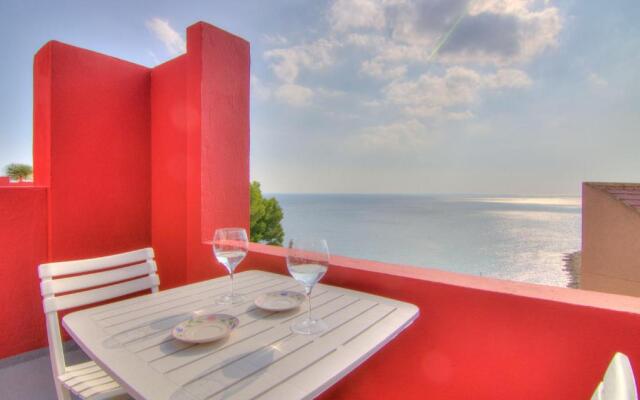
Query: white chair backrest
619	382
597	394
70	284
138	263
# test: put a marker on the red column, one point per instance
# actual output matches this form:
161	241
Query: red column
218	66
200	151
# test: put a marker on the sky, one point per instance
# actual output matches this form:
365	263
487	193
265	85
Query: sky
526	97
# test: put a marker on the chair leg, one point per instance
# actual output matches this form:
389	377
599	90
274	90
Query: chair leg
62	392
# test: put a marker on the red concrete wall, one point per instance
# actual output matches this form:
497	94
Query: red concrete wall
23	240
4	181
169	170
42	110
479	338
92	148
128	157
610	243
217	141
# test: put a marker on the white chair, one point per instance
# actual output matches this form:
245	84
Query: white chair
619	382
78	284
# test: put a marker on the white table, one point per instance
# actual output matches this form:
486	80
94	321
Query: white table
261	358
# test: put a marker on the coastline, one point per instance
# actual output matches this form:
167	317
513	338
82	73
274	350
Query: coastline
572	267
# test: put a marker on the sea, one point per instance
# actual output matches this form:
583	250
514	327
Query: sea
519	238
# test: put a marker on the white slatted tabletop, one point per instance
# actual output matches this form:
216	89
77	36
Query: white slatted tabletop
261	358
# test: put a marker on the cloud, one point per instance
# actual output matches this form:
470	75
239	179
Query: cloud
330	93
153	57
258	89
288	61
294	95
350	14
498	32
365	40
478	46
493	35
275	40
508	78
400	136
444	95
172	40
377	69
596	80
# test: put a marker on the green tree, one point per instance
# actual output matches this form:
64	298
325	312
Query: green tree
19	172
266	216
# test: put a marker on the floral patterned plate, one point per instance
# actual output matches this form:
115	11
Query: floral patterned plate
205	328
279	301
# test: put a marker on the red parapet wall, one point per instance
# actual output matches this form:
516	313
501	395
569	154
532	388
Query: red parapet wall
23	236
479	338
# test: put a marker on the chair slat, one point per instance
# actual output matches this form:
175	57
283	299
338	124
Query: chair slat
81	366
55	286
85	378
50	270
101	380
64	302
81	372
97	390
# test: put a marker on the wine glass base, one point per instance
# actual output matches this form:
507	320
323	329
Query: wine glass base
227	299
311	326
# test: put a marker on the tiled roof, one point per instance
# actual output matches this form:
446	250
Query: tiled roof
627	193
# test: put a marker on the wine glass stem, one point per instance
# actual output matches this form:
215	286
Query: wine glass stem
308	290
231	275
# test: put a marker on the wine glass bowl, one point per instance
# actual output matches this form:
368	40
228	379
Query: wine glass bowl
230	246
308	261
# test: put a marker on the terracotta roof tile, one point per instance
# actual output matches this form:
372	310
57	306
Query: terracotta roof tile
626	193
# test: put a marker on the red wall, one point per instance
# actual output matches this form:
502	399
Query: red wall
169	170
23	240
199	151
95	148
4	181
127	157
481	338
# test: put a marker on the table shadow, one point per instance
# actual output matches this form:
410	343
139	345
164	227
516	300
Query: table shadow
233	370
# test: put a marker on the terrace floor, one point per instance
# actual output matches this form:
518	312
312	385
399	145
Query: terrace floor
28	375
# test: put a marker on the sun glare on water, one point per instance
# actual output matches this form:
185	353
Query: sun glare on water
538	201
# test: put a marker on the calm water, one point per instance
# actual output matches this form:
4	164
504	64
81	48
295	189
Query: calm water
515	238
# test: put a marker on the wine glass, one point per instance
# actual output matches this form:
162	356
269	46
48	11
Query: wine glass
230	246
308	261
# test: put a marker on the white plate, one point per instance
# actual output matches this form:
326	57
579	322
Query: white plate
279	301
205	328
